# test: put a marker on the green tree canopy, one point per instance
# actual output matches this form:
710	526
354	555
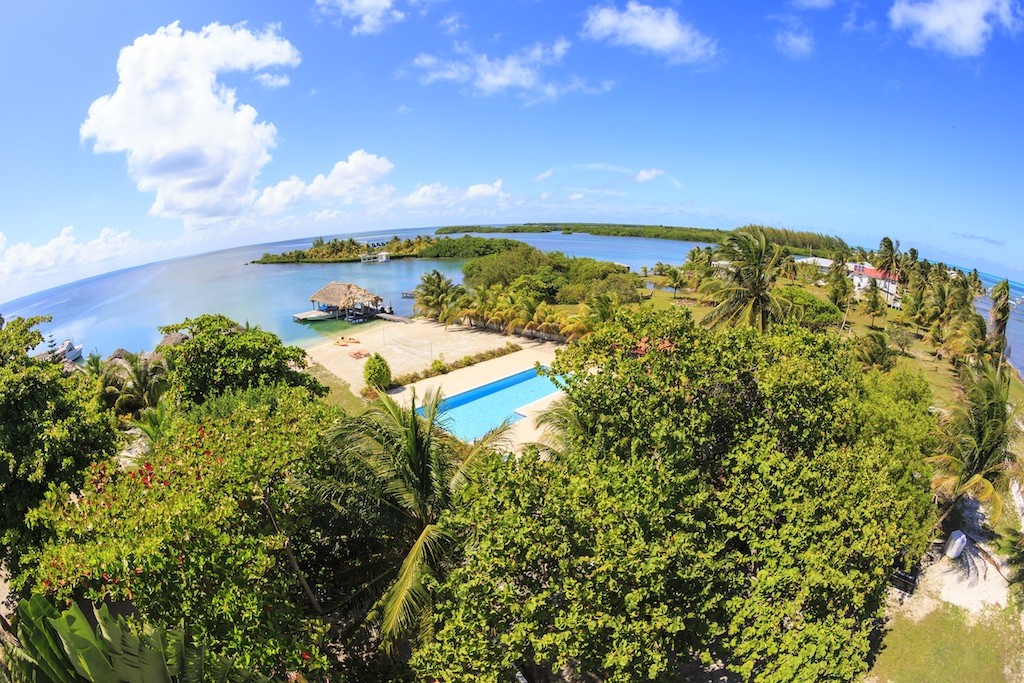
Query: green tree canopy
719	496
51	427
200	530
221	355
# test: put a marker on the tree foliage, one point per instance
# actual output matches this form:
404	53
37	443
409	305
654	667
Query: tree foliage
744	287
51	427
220	356
64	647
200	530
730	497
377	372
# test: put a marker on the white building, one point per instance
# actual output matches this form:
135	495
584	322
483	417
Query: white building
864	273
823	264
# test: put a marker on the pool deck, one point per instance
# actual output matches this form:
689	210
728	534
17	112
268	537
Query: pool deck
410	348
522	432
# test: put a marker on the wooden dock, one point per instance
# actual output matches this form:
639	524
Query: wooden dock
315	315
394	318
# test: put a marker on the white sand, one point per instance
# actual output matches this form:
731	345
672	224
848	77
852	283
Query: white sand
408	347
412	348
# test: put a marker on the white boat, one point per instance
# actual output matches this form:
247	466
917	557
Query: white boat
68	350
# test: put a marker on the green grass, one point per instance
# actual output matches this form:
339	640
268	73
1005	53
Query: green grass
945	646
340	392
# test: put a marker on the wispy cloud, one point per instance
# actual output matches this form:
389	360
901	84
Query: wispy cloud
522	72
371	16
651	29
646	175
794	39
544	175
452	24
960	28
982	238
812	4
272	81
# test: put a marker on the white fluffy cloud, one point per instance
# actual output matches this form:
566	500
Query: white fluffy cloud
521	72
185	135
960	28
22	263
794	40
649	28
272	81
544	175
576	196
350	179
371	16
645	175
437	194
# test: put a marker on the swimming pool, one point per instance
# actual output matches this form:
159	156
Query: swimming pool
473	413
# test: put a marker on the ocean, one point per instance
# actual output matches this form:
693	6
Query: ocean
123	309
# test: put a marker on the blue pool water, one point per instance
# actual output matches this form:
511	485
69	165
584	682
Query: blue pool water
473	413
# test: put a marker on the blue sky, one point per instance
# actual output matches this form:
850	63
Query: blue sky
148	130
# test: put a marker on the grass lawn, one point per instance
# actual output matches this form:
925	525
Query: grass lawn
946	646
340	392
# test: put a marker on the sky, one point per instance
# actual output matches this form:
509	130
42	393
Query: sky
137	131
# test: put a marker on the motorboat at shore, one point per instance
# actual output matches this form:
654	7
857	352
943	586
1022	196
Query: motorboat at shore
68	350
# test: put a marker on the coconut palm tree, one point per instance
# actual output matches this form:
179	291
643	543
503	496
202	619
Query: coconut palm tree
134	383
676	279
744	288
410	472
433	293
998	317
975	436
887	260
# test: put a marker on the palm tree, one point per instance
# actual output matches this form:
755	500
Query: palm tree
412	473
432	293
744	289
887	260
998	318
134	383
676	279
975	436
66	647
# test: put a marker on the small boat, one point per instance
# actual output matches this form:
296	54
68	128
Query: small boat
68	350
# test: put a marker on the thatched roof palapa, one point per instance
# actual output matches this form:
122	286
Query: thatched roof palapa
345	295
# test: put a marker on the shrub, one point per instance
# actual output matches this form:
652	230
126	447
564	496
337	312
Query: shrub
377	372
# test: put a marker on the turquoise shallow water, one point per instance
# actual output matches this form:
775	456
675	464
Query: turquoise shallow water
124	308
473	413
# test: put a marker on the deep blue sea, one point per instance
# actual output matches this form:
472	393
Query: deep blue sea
124	308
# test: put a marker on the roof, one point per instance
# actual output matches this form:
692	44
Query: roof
816	260
869	271
345	295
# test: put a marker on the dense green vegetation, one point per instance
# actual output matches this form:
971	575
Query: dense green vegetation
197	530
728	493
797	241
421	246
709	504
342	251
221	356
51	427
